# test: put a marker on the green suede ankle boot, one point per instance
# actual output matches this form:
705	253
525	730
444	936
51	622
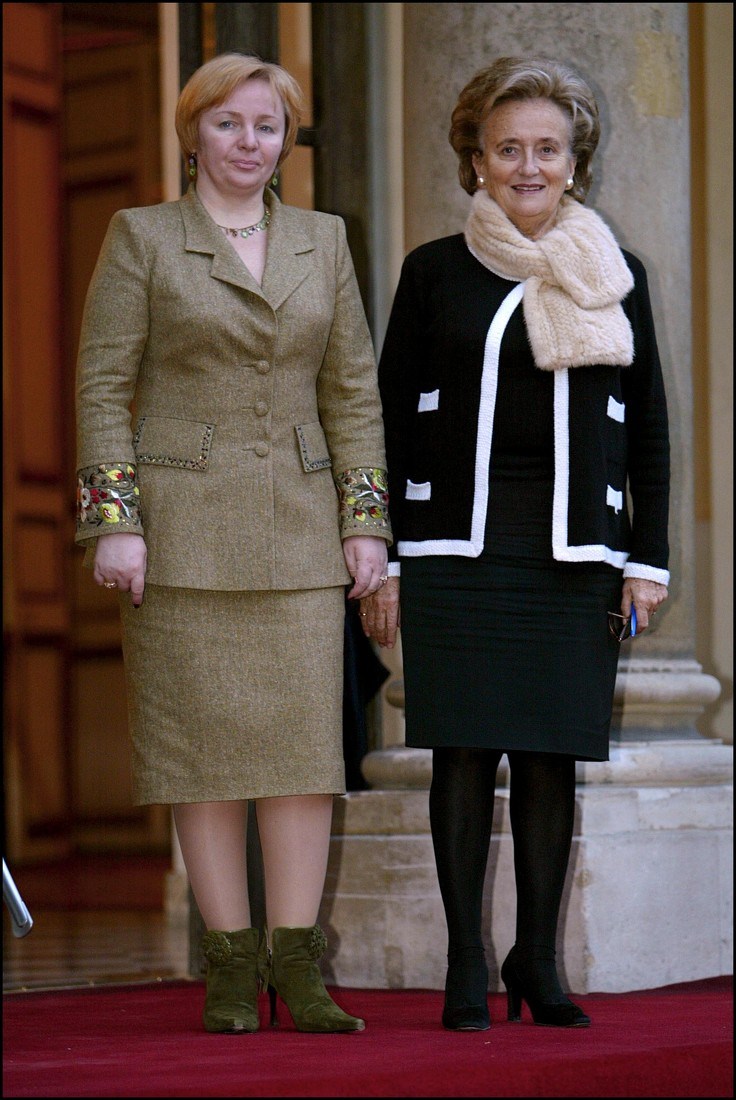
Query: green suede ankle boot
296	977
236	969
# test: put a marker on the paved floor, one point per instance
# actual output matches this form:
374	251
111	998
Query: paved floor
72	948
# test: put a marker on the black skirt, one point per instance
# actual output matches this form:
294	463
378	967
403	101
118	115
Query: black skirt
511	650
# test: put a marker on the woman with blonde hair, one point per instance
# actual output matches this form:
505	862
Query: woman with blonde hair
523	401
245	495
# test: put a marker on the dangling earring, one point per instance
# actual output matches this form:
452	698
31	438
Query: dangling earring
570	182
275	179
192	165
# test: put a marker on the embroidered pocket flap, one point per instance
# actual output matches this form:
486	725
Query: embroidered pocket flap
312	446
165	441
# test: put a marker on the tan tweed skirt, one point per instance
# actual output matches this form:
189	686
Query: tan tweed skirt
234	695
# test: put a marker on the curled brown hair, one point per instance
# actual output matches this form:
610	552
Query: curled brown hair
511	78
214	81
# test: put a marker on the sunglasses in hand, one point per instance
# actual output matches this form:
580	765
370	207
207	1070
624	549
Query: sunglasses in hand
622	626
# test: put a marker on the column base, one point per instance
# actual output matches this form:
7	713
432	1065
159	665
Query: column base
648	897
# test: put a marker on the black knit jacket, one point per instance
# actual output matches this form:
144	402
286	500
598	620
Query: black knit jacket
436	376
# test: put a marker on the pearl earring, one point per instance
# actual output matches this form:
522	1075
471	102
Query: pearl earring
481	180
570	182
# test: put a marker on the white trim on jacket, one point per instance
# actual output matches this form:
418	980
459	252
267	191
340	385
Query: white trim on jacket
473	547
561	548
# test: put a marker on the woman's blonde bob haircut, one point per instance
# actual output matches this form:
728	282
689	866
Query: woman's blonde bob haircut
511	78
214	81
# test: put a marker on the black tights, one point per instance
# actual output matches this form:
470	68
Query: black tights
542	808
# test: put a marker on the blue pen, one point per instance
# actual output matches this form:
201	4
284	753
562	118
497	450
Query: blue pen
633	621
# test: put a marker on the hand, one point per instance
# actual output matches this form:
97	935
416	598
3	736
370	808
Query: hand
646	597
380	614
120	562
367	561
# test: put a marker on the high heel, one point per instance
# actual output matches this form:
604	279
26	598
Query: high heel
295	976
273	1013
466	993
236	969
549	1006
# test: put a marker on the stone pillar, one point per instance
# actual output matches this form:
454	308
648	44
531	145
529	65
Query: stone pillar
648	900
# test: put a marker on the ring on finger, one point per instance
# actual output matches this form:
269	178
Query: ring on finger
109	584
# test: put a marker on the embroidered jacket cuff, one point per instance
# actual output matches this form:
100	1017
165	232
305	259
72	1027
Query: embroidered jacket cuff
363	495
646	572
108	501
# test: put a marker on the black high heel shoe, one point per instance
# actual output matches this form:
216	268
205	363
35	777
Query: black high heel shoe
549	1006
466	994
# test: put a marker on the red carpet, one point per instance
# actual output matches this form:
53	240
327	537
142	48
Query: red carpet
147	1040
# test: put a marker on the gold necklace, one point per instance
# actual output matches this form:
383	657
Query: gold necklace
247	230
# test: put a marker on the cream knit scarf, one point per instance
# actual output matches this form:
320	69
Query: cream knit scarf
574	281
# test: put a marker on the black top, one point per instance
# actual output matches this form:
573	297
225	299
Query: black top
519	513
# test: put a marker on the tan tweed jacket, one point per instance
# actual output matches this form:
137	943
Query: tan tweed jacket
246	401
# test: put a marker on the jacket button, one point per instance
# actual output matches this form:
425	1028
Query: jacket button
261	408
263	367
262	448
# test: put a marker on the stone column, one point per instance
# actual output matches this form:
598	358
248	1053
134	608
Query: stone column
649	891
